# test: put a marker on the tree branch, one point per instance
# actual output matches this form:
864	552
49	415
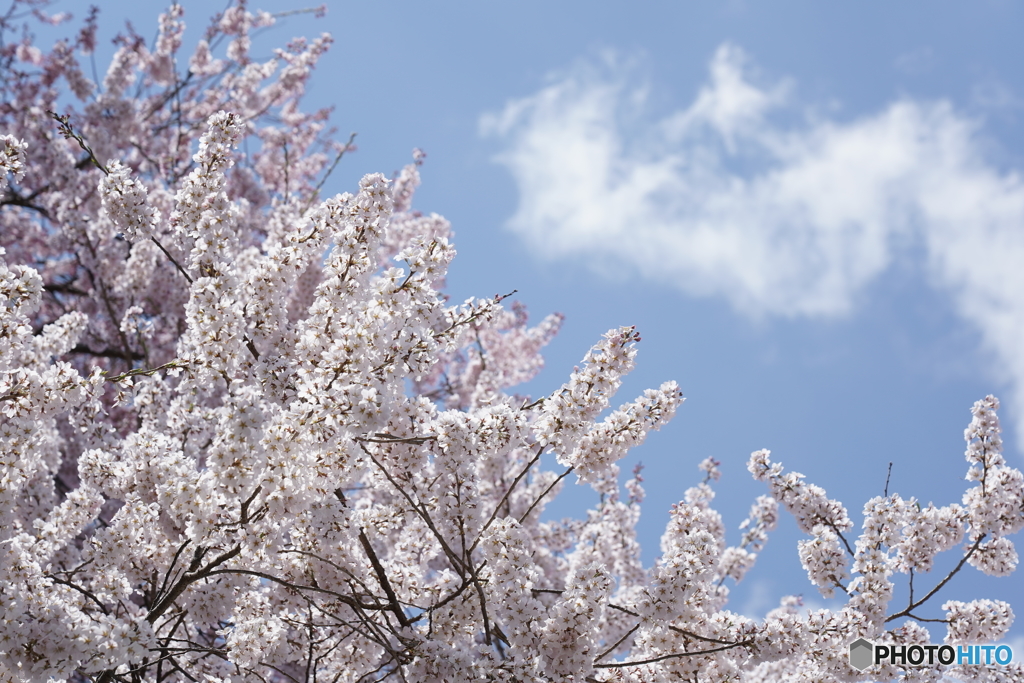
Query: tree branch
914	605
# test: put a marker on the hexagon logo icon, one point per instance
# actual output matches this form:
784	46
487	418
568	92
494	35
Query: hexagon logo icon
861	654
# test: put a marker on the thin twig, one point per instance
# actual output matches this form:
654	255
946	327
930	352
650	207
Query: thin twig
316	190
177	265
618	642
562	476
501	502
674	655
68	131
148	372
914	605
674	629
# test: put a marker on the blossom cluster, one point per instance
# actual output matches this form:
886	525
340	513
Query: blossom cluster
12	159
244	435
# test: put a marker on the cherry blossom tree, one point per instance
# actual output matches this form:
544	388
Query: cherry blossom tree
245	435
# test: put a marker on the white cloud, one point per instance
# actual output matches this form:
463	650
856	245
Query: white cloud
996	97
790	219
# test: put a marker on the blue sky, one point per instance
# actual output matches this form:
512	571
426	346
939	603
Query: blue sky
812	212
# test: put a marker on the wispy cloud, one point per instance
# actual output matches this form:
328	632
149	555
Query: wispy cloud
746	196
916	62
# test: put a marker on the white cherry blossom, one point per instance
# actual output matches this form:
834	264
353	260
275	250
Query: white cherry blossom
244	435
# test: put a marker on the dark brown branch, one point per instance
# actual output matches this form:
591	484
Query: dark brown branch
674	629
83	591
337	158
505	497
105	353
194	574
618	642
252	347
481	597
914	605
382	437
438	605
382	578
349	600
932	621
99	285
188	278
541	497
13	199
674	655
452	556
167	575
246	503
63	288
830	524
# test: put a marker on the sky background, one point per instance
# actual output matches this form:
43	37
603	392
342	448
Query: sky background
812	212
